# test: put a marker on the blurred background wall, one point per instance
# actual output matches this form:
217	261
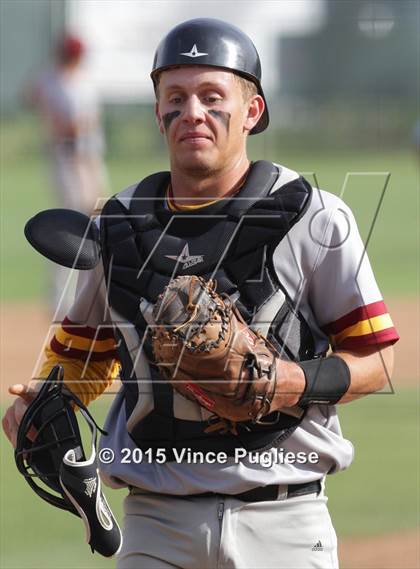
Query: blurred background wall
28	31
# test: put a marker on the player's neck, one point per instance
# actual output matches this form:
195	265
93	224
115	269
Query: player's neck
191	189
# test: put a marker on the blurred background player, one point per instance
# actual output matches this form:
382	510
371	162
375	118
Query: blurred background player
70	110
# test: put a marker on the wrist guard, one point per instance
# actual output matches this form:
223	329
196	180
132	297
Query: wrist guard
327	380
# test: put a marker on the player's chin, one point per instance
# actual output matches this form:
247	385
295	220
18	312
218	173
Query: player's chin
197	161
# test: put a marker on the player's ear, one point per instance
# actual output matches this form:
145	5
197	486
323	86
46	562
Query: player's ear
254	109
159	118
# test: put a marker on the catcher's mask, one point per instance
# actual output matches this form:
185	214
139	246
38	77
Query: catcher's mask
49	449
214	43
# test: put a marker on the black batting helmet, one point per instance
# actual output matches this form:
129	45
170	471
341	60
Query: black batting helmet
214	43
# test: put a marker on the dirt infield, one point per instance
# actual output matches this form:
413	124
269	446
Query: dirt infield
392	551
25	327
405	314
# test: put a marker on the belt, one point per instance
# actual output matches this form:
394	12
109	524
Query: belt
261	494
275	491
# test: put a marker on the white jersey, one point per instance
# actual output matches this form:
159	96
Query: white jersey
323	267
67	98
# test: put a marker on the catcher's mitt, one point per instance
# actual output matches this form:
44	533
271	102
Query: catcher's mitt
209	354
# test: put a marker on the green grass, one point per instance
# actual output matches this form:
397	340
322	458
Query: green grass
25	190
379	493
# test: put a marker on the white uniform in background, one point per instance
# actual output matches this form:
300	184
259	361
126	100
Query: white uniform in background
70	108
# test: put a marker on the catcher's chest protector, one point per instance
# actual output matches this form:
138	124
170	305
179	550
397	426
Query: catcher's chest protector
144	246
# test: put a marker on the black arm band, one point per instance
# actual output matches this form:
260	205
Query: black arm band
327	380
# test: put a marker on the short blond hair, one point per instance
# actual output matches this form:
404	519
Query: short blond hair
248	88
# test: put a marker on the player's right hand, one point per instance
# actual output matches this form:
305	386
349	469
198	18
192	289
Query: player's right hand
13	416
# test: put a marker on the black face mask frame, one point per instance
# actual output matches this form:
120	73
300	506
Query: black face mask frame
49	450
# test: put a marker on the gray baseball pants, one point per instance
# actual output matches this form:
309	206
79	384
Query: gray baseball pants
220	532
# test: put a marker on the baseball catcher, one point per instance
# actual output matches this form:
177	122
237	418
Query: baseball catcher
208	353
238	324
49	447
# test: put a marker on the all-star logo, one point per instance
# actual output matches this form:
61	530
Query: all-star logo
186	259
90	486
193	52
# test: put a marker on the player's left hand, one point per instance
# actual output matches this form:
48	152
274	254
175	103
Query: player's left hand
25	394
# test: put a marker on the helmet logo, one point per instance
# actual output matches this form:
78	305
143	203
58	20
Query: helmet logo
193	52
